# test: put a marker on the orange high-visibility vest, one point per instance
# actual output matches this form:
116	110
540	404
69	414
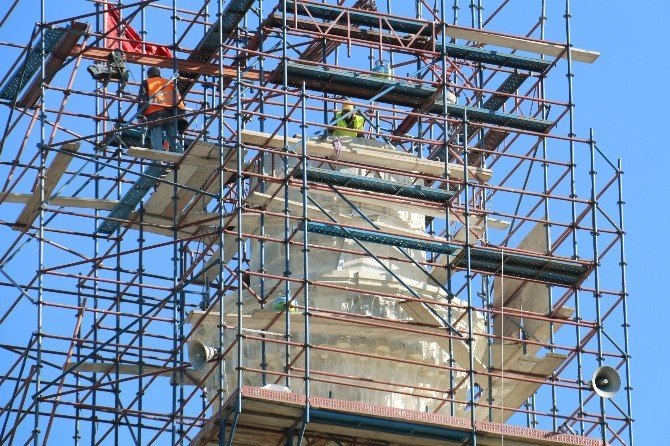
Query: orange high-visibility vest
161	93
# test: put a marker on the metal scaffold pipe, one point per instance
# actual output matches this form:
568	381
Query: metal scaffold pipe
347	251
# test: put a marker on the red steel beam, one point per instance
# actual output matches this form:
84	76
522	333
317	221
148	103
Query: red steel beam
206	68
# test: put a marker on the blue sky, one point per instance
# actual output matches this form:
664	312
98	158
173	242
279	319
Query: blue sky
622	96
614	96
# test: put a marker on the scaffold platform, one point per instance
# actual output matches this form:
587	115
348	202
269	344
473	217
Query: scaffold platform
31	64
267	416
151	175
371	184
398	92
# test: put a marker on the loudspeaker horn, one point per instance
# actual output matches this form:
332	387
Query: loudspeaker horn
606	381
200	354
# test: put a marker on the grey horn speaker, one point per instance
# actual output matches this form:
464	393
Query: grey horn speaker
606	381
200	354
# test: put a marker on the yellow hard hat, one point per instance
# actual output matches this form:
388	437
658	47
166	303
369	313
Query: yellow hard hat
347	106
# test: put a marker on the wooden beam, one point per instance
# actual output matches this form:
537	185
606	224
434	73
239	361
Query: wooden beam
203	156
420	313
512	393
520	43
355	152
161	199
476	227
202	177
70	202
191	376
191	159
198	181
51	177
504	356
54	62
524	295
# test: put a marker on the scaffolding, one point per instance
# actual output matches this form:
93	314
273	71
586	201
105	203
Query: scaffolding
456	276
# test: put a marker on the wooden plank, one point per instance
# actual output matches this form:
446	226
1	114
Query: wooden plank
210	150
280	408
381	200
197	181
277	422
71	202
204	176
372	156
202	155
154	155
520	43
477	227
162	197
254	421
523	390
199	154
172	157
54	62
505	356
249	437
191	376
377	436
524	295
213	187
513	393
52	175
470	34
420	313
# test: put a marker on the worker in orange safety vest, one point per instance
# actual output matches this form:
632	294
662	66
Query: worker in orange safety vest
158	100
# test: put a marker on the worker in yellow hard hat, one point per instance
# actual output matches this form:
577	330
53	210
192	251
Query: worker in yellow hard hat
348	122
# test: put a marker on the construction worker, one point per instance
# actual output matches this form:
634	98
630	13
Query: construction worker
156	102
352	123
